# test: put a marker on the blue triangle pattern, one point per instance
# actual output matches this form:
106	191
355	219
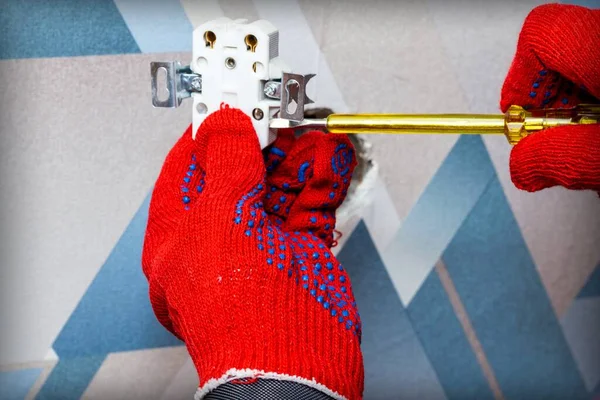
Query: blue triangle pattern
395	364
497	282
592	286
14	385
508	306
115	313
63	28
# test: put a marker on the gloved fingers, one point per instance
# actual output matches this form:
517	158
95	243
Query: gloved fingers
178	185
208	186
278	151
557	59
274	157
288	177
326	179
566	156
230	154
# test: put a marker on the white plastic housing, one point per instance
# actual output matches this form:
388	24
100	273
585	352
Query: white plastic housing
239	83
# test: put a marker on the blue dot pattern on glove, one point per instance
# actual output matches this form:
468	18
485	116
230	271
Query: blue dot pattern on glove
302	256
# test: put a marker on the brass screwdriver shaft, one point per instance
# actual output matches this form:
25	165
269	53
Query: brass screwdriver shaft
515	124
416	123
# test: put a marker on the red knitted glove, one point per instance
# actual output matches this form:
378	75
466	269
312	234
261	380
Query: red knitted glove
238	260
557	64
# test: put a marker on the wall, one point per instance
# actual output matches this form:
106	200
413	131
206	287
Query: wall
468	288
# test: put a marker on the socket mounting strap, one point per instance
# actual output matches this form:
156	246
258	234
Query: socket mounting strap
180	83
293	96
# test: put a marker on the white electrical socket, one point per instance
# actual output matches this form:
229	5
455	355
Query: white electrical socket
235	59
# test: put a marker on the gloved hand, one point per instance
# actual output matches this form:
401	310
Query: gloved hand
238	258
557	64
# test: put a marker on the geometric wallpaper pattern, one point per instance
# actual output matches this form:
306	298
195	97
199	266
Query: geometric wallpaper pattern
467	288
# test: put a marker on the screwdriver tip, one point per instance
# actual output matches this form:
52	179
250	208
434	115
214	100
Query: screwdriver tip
280	123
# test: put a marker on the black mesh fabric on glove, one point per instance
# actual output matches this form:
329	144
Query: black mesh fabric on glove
266	389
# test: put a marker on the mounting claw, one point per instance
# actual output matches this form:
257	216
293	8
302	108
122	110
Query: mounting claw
293	96
180	83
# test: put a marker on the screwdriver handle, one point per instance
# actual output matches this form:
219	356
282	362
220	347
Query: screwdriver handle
521	122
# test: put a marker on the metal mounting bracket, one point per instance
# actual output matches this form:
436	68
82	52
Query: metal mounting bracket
180	83
293	96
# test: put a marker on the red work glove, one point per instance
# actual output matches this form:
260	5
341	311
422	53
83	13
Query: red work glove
557	64
238	259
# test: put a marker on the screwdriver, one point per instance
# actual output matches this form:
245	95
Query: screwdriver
515	124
